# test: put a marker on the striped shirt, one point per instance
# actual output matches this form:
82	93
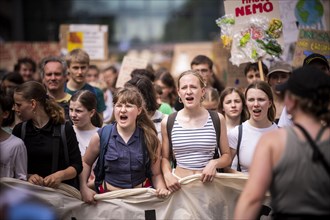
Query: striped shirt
193	148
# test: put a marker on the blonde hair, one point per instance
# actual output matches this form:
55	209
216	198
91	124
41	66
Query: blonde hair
78	56
212	95
195	73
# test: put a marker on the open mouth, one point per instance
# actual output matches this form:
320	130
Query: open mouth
189	98
123	117
256	110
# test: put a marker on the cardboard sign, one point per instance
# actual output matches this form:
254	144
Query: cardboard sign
184	53
91	38
128	65
311	41
244	9
252	20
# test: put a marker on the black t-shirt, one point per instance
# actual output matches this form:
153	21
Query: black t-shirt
40	149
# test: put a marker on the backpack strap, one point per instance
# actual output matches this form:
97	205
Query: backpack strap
56	147
59	131
147	163
65	145
317	154
105	134
23	130
240	133
169	127
216	123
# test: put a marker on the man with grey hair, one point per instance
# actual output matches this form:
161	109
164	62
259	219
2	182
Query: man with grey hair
54	76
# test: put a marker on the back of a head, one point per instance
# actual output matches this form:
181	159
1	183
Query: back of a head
6	105
312	87
211	99
146	88
319	61
143	72
166	78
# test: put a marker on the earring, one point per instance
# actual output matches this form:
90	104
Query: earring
180	100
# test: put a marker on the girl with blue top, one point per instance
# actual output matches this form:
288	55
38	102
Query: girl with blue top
133	145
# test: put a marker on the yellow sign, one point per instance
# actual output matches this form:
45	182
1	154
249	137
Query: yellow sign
75	40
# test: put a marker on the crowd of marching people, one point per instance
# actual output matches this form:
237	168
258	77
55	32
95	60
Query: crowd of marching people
68	123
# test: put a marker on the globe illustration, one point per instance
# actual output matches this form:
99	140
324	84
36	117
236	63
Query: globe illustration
309	12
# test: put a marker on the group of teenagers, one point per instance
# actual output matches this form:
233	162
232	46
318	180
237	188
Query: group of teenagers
238	133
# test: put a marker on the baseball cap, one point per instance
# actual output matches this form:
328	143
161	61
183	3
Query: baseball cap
305	81
280	66
315	57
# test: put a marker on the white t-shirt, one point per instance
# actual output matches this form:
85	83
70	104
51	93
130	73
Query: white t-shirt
157	119
285	119
108	111
250	137
83	138
13	158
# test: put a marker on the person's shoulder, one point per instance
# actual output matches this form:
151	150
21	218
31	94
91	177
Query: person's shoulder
66	98
221	116
164	120
274	136
16	142
98	90
68	126
17	129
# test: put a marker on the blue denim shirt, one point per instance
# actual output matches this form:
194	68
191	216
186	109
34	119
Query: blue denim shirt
125	164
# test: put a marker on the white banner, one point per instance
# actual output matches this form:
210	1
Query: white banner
195	200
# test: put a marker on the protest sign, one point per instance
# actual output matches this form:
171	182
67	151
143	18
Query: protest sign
184	53
195	200
91	38
311	41
252	29
127	66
